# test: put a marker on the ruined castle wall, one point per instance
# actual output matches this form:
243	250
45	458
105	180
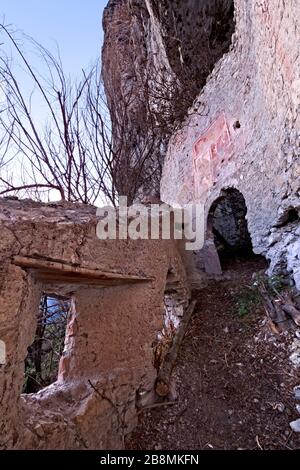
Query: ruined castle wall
243	132
107	370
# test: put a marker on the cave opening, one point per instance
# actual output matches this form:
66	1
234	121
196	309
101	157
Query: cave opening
228	227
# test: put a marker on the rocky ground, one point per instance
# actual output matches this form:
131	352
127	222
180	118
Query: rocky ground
234	379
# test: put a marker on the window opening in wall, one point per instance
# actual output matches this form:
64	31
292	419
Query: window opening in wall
42	361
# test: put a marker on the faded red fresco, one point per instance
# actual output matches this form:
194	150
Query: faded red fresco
213	148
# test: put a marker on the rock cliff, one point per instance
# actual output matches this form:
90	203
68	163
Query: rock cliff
157	56
237	65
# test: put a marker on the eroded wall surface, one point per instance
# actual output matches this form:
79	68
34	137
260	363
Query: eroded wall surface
108	370
243	132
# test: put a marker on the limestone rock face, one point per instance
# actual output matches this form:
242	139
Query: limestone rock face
130	50
159	53
243	132
195	35
243	123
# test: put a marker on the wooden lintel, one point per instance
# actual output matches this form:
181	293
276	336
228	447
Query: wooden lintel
61	272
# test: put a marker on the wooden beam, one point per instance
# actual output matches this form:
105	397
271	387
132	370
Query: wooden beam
162	386
60	272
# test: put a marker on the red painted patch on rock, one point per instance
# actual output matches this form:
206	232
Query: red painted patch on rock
213	148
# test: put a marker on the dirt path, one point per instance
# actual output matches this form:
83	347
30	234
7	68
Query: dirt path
234	381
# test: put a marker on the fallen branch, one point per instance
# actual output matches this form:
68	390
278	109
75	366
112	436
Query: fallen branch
286	305
293	312
258	443
274	311
163	379
157	405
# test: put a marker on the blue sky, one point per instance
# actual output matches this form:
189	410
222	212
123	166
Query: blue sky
75	25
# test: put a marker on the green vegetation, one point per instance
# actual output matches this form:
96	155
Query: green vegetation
248	298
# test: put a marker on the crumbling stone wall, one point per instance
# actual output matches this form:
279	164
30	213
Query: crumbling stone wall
107	370
243	132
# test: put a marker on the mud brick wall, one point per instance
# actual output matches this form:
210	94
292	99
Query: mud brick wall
107	368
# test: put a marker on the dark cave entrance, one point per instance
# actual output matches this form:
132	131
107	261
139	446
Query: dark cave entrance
228	228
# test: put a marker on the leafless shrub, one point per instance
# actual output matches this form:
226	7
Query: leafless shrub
96	143
75	152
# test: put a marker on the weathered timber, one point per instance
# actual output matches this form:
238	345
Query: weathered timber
60	272
163	379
